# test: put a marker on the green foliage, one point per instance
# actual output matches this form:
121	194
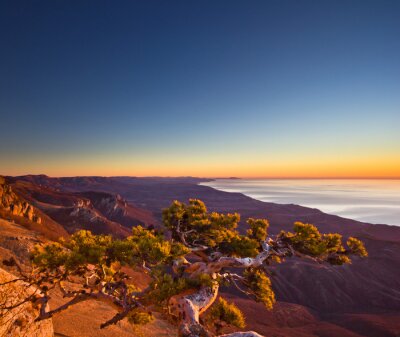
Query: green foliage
228	312
84	248
137	317
81	249
50	256
307	240
338	260
164	285
151	247
145	246
122	251
241	246
356	247
332	243
258	229
194	225
260	285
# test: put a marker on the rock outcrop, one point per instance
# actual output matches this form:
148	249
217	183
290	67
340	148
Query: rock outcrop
19	321
10	202
115	208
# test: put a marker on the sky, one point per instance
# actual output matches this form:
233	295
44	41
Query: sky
204	88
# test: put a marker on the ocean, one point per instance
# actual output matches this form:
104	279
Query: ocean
368	200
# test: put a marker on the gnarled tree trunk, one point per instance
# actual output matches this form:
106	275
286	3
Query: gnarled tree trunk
189	308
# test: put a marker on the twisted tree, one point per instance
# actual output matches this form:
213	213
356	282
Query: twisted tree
202	252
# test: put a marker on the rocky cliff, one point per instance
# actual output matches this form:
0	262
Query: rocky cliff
10	202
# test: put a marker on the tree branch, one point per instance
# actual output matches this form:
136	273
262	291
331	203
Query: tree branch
226	261
48	314
119	316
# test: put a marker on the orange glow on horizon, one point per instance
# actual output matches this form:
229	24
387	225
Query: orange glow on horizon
361	169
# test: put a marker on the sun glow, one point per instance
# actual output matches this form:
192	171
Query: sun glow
242	166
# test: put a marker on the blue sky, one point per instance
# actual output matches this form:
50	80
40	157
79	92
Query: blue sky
248	88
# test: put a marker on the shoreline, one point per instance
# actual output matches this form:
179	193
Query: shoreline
366	204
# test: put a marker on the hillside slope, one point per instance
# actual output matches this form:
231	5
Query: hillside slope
100	212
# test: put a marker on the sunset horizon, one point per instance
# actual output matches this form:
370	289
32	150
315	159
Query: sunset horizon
300	89
277	177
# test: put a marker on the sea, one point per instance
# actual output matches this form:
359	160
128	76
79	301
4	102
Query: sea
375	201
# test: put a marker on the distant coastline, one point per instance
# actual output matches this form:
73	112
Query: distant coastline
369	200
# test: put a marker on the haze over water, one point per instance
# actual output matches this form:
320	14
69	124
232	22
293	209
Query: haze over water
374	201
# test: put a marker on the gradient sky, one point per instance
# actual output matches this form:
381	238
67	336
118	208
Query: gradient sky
204	88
